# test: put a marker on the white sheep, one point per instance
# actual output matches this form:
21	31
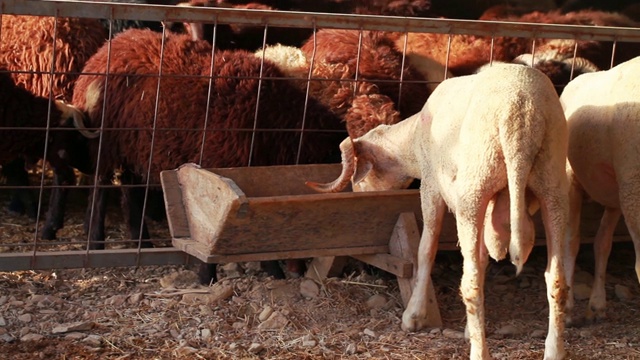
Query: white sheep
494	139
602	111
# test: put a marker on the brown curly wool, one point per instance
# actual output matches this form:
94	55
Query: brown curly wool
27	46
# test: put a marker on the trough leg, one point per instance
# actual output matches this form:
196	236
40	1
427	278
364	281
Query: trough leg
324	267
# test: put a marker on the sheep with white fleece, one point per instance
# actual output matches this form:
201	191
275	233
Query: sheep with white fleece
602	110
494	142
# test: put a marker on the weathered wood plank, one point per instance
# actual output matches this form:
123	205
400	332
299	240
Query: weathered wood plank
392	264
174	207
196	249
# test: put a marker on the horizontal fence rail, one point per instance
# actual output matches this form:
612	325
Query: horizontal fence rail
83	9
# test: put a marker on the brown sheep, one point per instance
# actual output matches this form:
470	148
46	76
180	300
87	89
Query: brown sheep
182	107
468	52
338	57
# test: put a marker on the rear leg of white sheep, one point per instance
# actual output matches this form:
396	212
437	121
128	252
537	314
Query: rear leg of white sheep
415	316
476	259
630	204
554	205
572	240
602	249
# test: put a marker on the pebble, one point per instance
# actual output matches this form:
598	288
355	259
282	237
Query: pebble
351	349
508	330
31	337
26	318
135	298
75	335
3	322
539	334
581	291
93	340
453	334
265	313
309	289
255	348
205	334
623	293
276	321
370	332
376	301
75	326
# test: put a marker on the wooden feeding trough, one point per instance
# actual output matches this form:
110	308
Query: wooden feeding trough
267	213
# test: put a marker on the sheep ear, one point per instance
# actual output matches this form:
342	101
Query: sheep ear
363	166
363	162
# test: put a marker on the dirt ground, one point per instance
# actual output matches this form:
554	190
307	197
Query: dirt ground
163	313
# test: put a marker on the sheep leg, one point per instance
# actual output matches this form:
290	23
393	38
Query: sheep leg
555	212
95	217
54	220
132	203
602	248
415	316
572	239
23	201
475	263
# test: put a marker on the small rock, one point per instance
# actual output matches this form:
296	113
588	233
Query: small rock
265	313
581	291
174	333
508	330
274	322
116	300
180	280
351	349
136	298
26	318
185	351
75	335
93	340
232	270
586	333
76	326
217	292
453	334
24	331
376	301
2	321
31	337
539	334
623	293
255	348
3	299
583	277
309	288
7	338
435	331
205	334
234	346
309	343
370	332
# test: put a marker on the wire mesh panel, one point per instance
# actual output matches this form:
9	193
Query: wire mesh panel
130	90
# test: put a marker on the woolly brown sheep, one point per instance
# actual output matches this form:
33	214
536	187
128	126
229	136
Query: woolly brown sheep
338	57
467	53
26	49
181	110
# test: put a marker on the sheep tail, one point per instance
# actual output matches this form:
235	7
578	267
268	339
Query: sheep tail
518	246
